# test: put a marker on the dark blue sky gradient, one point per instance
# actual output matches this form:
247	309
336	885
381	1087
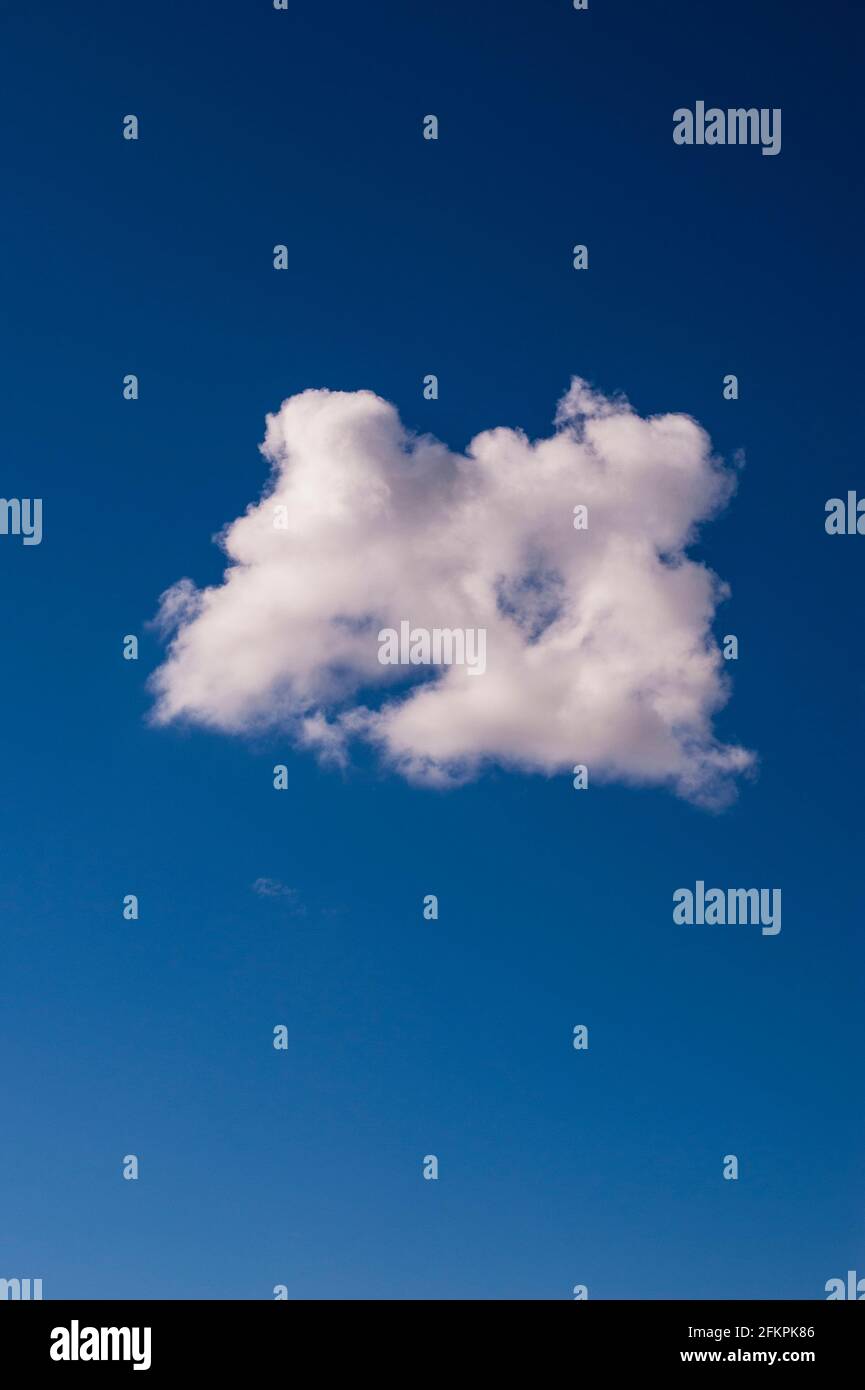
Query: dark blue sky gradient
406	1037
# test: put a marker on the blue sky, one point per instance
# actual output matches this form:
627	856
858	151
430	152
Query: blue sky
407	1038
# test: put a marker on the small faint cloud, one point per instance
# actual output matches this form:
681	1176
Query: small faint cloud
272	888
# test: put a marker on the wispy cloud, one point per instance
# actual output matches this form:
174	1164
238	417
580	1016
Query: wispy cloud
272	888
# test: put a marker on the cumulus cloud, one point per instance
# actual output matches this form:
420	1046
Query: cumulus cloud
599	647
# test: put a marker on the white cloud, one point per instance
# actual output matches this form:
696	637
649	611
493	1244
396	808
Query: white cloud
599	648
273	888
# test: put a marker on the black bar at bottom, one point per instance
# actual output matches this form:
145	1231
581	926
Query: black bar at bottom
159	1339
